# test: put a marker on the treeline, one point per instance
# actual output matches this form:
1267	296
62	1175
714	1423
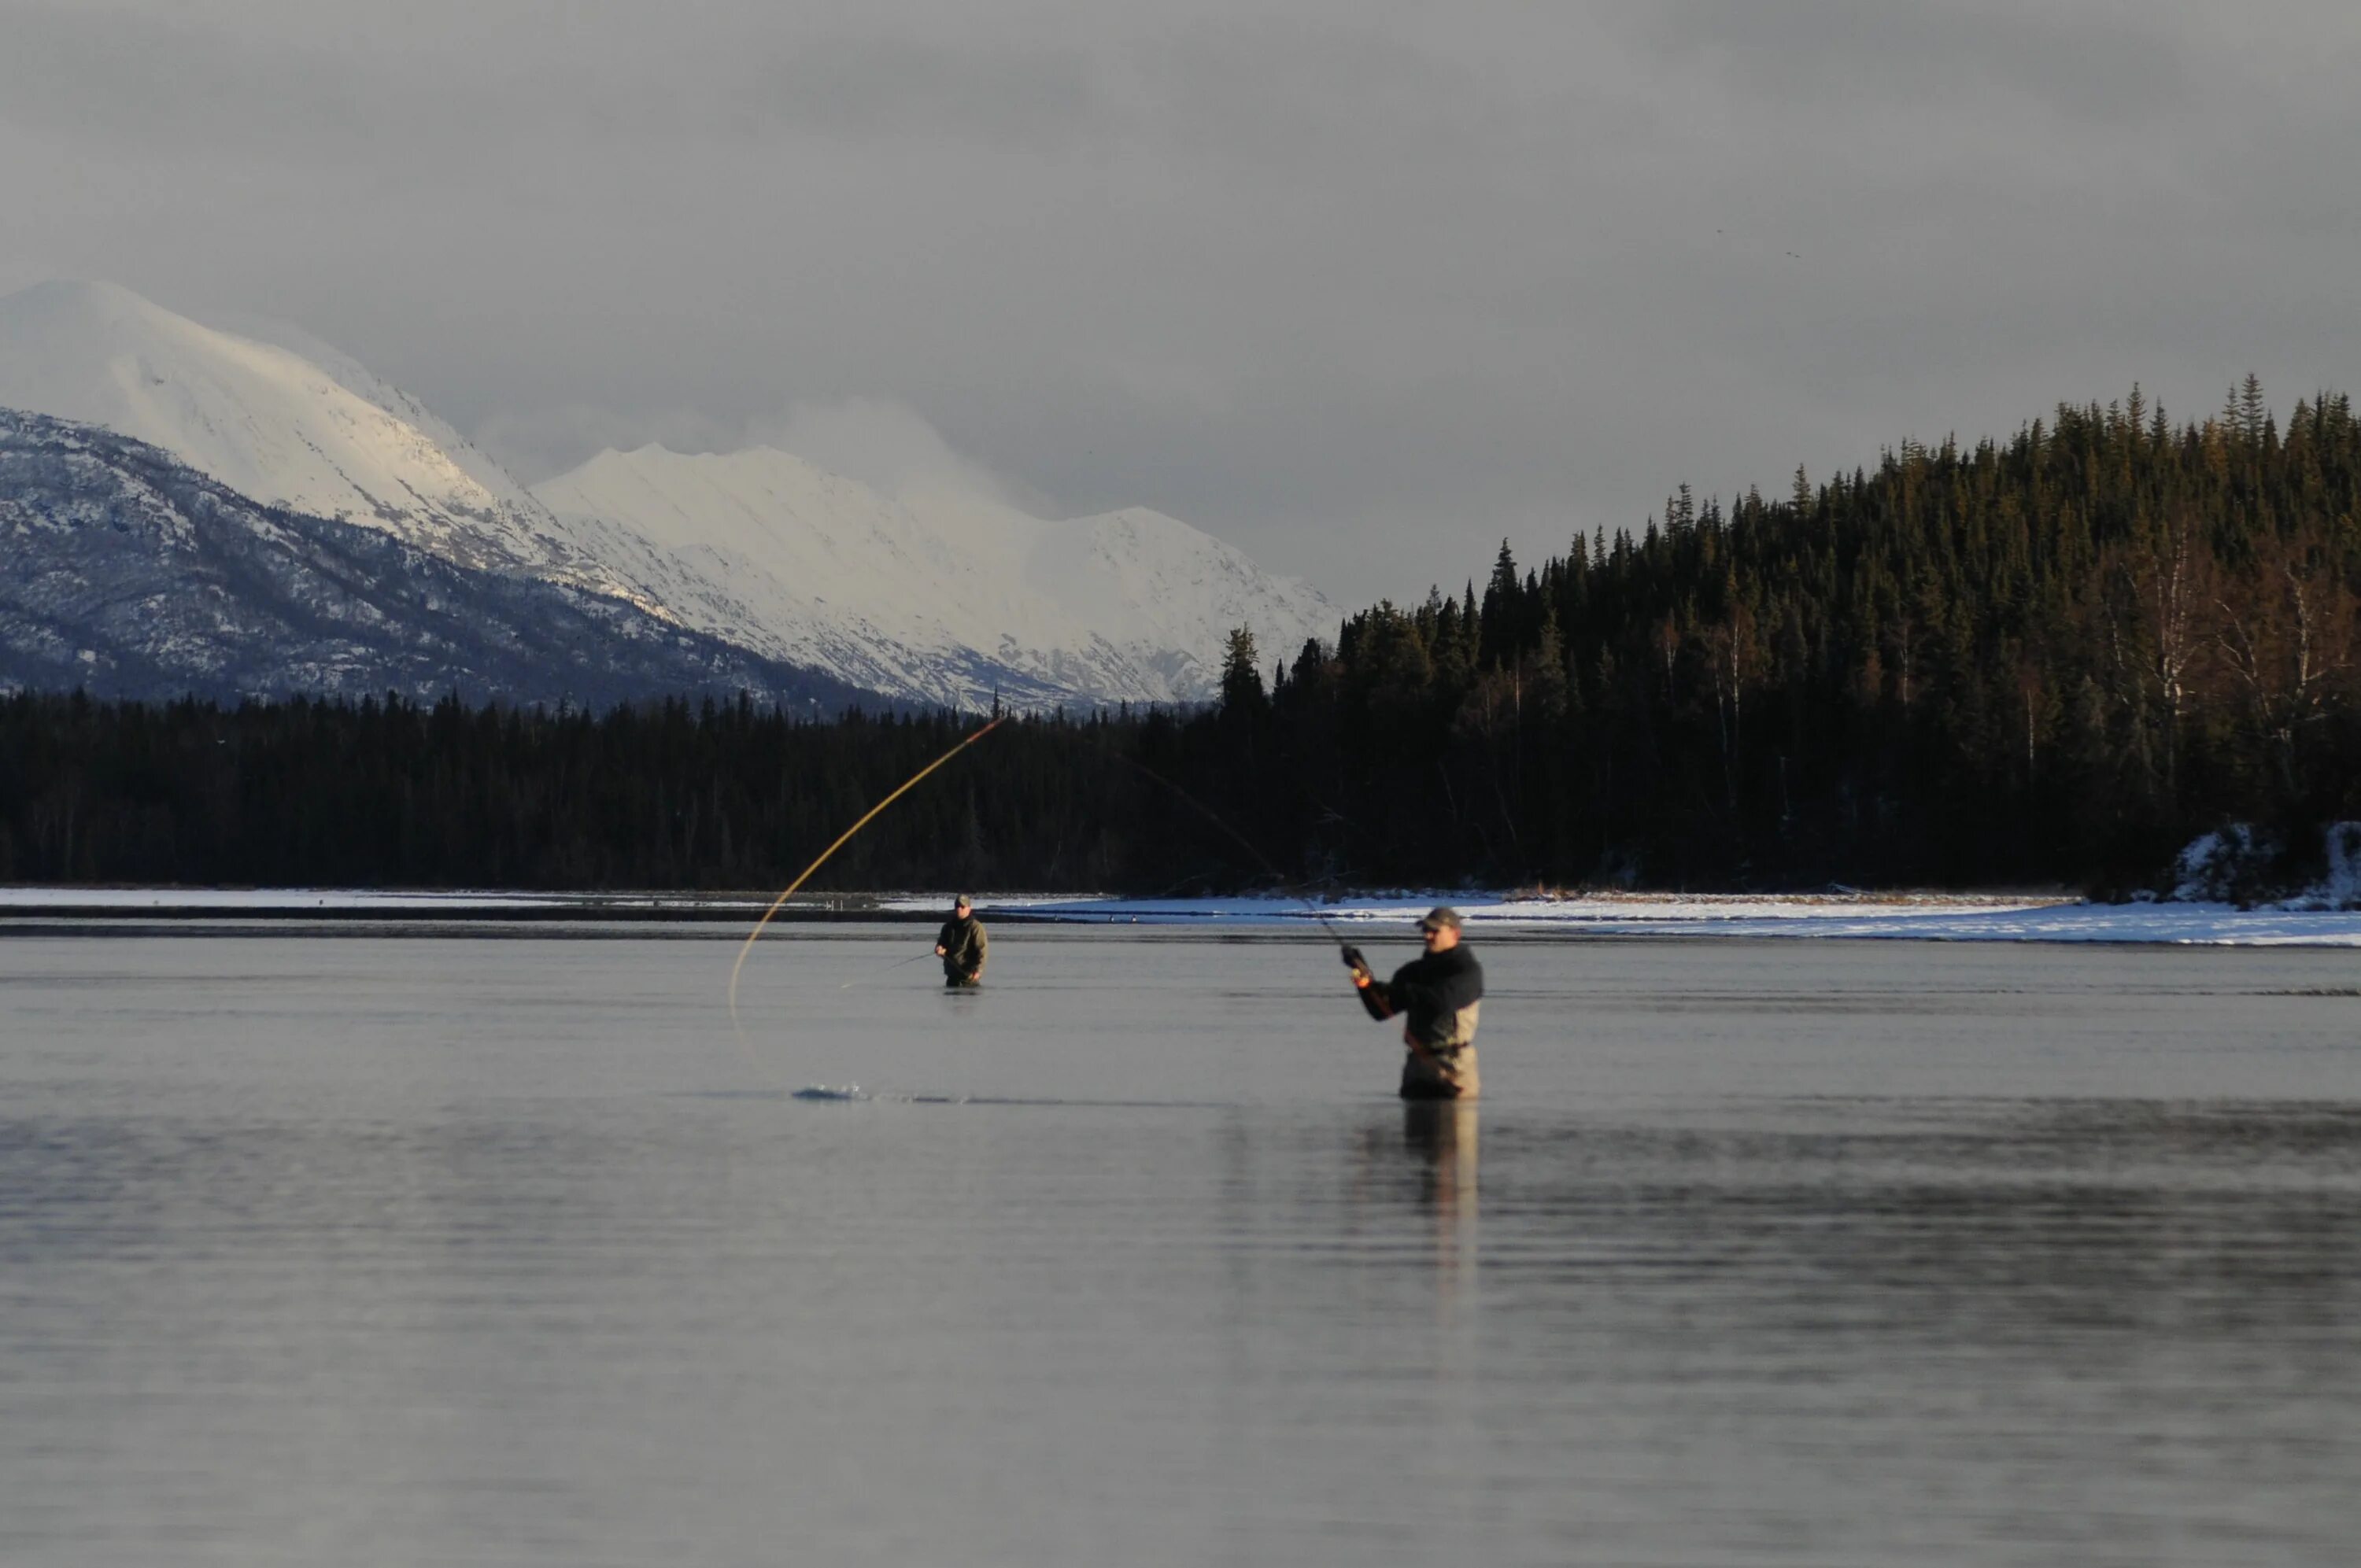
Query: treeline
2056	658
2052	659
392	793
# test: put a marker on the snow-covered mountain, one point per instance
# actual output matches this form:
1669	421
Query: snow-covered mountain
129	574
931	595
942	594
328	441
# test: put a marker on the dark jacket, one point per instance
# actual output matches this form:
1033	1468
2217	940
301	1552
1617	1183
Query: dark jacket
964	946
1439	991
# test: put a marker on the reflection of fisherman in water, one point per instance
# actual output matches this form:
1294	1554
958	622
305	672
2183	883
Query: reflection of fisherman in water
1441	995
1444	1133
1424	1169
961	945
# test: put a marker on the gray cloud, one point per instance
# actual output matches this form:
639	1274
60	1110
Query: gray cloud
1360	286
2094	65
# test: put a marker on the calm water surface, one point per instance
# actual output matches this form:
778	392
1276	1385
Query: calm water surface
384	1249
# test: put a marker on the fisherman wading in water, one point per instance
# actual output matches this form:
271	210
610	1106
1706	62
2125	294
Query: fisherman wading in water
1439	995
961	945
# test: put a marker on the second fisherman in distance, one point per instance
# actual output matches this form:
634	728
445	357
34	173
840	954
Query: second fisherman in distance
961	945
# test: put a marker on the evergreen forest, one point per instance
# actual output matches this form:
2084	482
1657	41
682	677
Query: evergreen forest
2052	659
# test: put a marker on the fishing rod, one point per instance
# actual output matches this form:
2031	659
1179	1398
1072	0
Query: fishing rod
1245	843
1279	877
899	963
907	786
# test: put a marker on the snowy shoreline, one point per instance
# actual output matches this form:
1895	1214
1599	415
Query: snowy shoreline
1927	917
1938	918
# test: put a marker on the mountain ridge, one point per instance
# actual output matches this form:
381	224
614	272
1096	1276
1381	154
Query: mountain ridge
133	574
937	595
263	419
762	544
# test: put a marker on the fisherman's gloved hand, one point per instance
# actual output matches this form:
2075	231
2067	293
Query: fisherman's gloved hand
1354	960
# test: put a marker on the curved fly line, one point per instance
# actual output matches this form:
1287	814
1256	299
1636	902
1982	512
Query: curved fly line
779	902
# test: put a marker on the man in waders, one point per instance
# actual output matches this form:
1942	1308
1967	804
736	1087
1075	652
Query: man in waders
1439	995
961	945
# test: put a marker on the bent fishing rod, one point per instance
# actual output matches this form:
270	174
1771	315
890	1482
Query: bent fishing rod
778	903
736	969
1279	877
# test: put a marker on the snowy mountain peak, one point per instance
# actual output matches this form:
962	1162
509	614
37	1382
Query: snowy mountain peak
941	594
262	419
132	574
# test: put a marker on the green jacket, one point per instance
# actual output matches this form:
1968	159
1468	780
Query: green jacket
964	946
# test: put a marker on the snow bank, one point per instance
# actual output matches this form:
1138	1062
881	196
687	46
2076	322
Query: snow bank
2237	864
2340	888
1923	917
1941	917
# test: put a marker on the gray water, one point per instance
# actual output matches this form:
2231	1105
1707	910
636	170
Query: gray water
494	1249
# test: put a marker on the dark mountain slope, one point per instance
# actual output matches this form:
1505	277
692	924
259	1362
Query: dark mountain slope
127	574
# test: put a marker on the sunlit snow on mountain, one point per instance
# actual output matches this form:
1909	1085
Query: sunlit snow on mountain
268	423
940	592
937	593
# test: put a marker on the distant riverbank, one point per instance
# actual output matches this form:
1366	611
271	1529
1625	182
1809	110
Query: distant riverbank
1924	916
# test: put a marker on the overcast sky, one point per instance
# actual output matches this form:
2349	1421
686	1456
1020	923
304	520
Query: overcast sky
1359	287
